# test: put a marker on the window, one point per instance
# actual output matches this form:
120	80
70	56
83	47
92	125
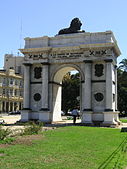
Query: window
11	92
19	69
16	93
4	81
11	81
20	93
3	91
20	83
16	82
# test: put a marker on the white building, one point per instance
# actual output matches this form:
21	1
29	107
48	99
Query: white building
13	62
11	91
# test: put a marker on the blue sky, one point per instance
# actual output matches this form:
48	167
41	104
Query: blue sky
35	18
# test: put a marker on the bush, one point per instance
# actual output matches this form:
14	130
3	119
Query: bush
32	128
4	133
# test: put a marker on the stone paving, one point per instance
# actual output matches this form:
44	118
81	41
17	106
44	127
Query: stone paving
10	121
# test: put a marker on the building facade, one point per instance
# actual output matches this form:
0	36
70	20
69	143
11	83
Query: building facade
11	91
13	62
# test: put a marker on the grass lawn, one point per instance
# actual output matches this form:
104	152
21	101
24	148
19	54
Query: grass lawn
75	147
123	120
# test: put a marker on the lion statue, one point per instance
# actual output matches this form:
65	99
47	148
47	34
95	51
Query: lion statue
74	27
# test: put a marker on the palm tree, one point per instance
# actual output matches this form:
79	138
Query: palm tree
123	65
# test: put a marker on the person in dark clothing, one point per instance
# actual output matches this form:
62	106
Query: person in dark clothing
75	113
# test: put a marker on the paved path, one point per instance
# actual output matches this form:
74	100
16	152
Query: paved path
12	119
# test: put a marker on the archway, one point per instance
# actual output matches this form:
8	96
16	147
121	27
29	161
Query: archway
92	54
57	90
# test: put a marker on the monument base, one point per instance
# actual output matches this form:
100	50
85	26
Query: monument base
105	119
45	116
111	119
25	115
87	118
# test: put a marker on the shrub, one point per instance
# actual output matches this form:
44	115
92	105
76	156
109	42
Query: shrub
32	128
4	133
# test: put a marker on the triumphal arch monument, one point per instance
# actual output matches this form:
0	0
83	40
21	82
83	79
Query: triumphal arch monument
48	59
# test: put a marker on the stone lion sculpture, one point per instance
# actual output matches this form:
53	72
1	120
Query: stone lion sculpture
74	27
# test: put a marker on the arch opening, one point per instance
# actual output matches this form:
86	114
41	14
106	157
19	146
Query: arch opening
66	92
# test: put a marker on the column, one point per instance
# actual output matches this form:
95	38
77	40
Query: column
109	84
26	101
45	87
5	106
86	93
116	116
109	114
44	114
13	106
115	88
0	106
25	113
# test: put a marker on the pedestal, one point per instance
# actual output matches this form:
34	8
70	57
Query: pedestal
25	115
109	119
116	117
87	117
44	116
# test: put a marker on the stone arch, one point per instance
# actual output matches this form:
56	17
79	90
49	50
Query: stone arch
57	77
67	66
94	55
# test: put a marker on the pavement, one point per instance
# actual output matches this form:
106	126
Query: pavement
10	121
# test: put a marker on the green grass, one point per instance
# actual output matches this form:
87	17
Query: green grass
69	148
123	120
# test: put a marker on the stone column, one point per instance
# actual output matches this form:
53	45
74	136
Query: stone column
109	114
109	85
86	94
1	106
5	110
115	88
44	112
116	116
13	106
45	87
9	106
26	101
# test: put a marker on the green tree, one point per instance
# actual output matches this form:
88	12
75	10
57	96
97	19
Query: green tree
70	91
122	86
123	65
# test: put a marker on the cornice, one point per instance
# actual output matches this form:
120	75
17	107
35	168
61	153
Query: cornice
83	47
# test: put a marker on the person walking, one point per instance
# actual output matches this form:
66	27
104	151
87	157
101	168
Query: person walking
75	113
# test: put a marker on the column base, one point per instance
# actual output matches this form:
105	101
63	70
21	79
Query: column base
87	117
44	116
116	117
25	115
109	119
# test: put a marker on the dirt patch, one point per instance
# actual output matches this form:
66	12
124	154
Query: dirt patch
2	154
26	140
4	145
